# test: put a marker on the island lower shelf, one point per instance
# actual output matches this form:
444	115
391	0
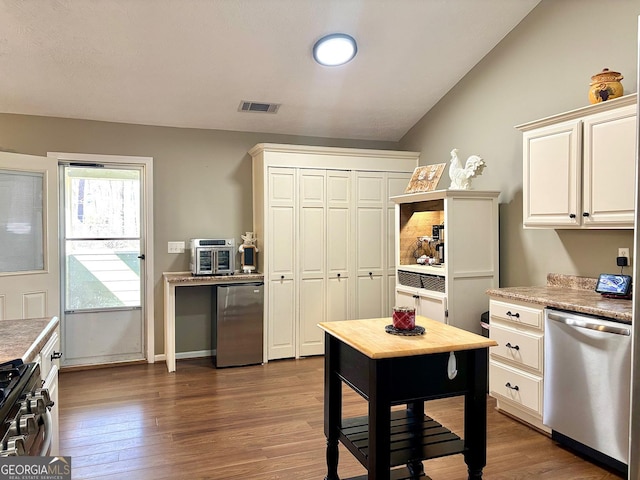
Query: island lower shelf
413	438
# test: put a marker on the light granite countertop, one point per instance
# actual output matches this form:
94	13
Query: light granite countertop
569	292
25	338
187	277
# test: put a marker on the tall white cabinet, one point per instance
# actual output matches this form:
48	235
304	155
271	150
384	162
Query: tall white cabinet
324	224
453	292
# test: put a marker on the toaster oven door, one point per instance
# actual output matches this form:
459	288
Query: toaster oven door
224	260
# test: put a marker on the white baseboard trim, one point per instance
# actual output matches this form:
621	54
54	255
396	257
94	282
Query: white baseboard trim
181	355
195	354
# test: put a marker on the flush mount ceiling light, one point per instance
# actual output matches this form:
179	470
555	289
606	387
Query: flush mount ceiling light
335	49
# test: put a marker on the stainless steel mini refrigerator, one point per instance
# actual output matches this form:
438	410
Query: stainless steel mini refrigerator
238	324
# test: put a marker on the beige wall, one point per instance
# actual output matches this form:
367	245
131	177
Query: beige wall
541	68
202	188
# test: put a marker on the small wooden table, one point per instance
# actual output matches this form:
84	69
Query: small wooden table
389	370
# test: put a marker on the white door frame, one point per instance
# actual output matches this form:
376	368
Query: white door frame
147	201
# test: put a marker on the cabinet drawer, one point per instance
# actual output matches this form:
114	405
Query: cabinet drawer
46	362
525	348
516	313
523	389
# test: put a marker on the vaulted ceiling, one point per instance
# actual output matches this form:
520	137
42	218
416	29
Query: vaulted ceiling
190	63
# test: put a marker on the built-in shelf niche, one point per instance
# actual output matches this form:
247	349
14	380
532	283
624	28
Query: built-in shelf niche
417	220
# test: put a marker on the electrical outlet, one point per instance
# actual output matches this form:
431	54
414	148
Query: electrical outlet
624	252
175	247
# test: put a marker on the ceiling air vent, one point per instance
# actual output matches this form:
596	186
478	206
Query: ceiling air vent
259	107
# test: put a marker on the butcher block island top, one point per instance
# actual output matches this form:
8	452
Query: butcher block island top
370	338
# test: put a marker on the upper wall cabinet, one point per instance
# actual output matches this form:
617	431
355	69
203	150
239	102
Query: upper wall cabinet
579	167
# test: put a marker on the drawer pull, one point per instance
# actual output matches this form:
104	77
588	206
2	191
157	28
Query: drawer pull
508	385
509	314
56	355
515	347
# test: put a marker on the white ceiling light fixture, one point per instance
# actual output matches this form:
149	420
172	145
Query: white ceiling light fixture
335	49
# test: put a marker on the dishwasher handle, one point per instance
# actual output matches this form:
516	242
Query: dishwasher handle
584	323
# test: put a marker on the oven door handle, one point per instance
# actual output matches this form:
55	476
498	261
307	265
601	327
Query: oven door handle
583	323
48	433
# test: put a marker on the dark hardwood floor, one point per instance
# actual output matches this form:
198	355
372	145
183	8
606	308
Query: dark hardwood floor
261	422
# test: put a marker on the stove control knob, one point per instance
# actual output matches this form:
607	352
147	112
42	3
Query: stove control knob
28	424
44	394
36	405
13	428
15	446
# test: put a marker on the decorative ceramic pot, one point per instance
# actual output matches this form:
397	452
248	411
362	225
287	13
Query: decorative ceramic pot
605	86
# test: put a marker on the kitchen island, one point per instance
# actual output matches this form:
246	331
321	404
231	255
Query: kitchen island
388	370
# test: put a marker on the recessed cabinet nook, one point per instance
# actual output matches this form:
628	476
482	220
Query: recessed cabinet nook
325	229
454	291
579	167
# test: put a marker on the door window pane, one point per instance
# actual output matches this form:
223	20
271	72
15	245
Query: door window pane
102	203
102	274
102	238
21	221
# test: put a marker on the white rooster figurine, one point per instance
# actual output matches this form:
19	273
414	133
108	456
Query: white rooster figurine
461	176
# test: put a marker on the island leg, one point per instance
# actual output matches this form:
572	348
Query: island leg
475	414
416	410
332	407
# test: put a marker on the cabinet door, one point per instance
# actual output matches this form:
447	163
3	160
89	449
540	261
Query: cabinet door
406	297
312	260
432	305
371	297
339	243
281	311
551	171
609	168
281	222
396	185
280	277
370	229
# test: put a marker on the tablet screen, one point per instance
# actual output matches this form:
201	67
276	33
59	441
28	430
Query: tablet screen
614	284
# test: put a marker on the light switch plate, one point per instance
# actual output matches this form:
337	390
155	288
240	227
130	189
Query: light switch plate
176	247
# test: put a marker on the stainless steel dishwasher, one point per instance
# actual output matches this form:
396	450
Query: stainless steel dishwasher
587	385
238	324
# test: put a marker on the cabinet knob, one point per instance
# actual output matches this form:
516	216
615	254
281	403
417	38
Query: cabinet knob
56	355
516	315
370	274
508	385
514	347
338	275
281	277
585	214
416	296
572	215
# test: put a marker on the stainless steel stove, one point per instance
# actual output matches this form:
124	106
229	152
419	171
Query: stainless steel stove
24	410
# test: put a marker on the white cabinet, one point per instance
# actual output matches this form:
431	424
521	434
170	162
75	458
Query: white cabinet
516	365
579	167
427	303
453	292
322	215
49	367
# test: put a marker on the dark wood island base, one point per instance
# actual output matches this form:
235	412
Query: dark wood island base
387	371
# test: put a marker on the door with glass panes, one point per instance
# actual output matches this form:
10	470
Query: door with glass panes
103	263
29	278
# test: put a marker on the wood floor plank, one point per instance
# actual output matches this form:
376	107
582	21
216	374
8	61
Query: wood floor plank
263	422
